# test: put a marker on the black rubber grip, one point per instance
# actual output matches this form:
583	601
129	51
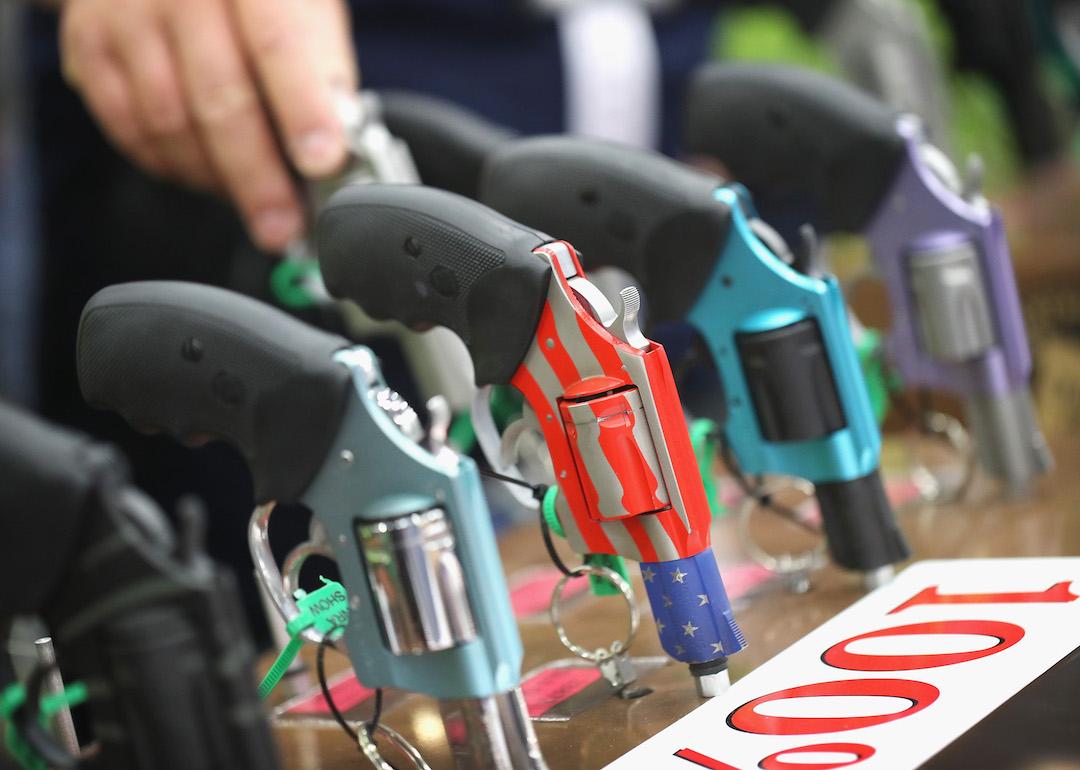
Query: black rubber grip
448	143
47	478
798	139
428	257
200	362
860	524
634	209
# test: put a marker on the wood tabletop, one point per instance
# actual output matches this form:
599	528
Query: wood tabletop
772	617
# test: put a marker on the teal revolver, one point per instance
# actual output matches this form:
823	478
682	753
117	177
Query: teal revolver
401	513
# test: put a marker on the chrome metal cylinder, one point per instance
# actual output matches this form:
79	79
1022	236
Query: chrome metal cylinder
493	733
417	582
63	726
950	299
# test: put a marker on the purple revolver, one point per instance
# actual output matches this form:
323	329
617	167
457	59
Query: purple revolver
816	149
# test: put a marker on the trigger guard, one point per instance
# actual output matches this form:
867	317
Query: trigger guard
267	572
491	444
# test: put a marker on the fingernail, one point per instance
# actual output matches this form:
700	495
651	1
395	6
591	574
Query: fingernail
275	227
319	152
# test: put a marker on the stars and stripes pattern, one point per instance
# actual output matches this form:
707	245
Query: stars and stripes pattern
691	608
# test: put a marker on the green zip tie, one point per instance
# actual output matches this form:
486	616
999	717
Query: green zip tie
287	282
281	665
703	435
327	609
13	697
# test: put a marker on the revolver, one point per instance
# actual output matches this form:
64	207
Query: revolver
402	515
774	321
137	612
808	144
436	359
602	394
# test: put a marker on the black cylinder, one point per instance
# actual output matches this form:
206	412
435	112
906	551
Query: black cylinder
859	523
791	383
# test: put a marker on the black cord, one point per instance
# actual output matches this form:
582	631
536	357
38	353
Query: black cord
549	544
727	455
539	492
320	668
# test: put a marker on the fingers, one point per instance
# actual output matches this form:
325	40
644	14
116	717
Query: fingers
231	121
91	68
335	54
160	105
283	52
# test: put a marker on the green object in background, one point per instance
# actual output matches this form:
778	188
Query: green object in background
767	33
615	563
462	435
506	405
978	118
13	697
288	282
703	438
868	347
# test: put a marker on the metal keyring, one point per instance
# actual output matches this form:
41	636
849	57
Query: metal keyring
789	563
939	425
371	751
601	654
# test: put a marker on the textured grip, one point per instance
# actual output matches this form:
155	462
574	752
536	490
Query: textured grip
799	140
200	362
47	478
448	143
655	218
428	257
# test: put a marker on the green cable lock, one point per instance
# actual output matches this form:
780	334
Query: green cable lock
703	435
288	279
13	697
614	562
327	609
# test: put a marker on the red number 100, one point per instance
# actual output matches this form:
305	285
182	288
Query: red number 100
919	694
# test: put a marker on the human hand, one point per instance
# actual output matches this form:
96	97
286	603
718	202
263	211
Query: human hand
198	91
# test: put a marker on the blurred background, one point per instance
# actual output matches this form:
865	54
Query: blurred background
998	78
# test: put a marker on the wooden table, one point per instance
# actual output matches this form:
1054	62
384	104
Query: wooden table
772	618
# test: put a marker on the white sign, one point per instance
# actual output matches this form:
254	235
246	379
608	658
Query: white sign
890	681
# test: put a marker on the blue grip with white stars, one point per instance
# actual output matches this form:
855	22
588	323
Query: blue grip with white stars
691	608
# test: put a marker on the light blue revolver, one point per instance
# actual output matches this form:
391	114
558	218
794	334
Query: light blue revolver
401	513
774	321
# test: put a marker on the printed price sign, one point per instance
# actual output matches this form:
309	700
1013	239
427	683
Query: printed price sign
960	663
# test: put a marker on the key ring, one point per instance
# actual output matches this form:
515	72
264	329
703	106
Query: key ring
371	751
601	654
788	564
932	489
